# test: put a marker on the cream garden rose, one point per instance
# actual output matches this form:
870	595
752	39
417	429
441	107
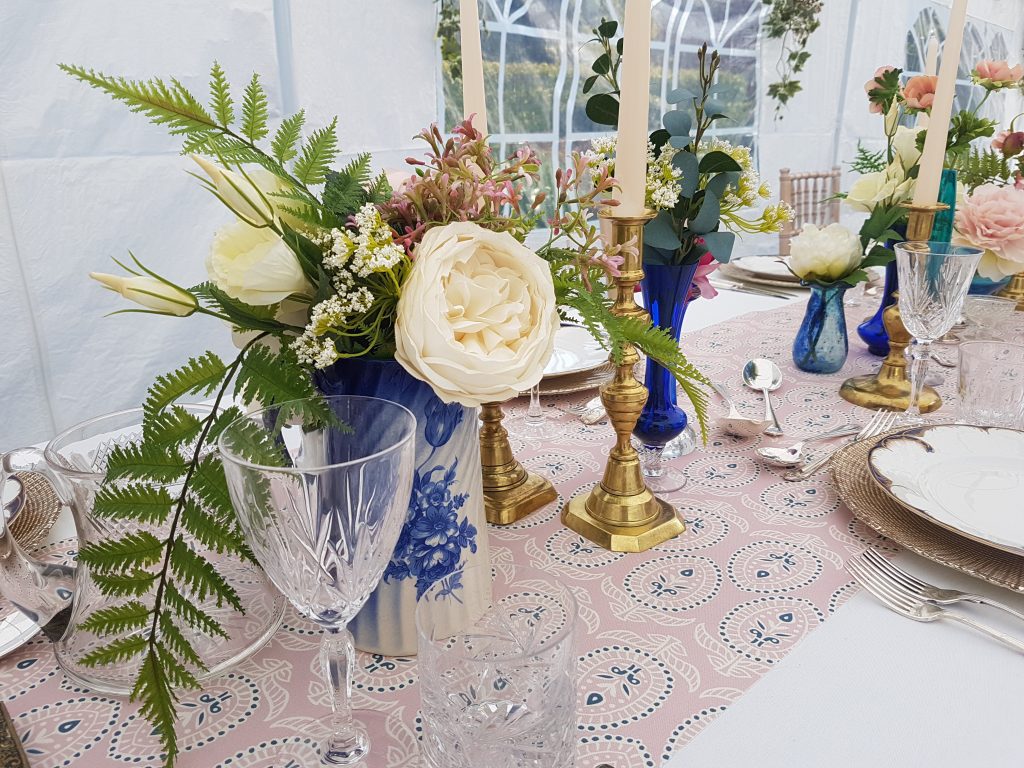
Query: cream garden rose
477	316
254	265
825	255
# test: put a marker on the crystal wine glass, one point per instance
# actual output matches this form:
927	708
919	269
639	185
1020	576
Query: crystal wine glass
322	502
934	278
535	425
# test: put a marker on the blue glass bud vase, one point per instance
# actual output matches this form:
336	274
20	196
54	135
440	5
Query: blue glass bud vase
666	290
821	343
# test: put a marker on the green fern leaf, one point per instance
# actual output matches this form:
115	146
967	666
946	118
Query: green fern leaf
247	316
171	428
276	378
144	461
199	575
221	422
220	96
211	487
154	690
215	533
116	651
139	549
200	375
318	153
254	111
285	142
142	502
176	642
190	613
115	619
170	105
132	583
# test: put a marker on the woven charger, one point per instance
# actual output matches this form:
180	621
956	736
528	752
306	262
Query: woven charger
879	511
42	506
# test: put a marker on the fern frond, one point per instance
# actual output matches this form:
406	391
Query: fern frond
115	619
215	533
254	111
132	583
211	487
118	650
139	549
154	691
190	613
247	316
285	142
170	105
172	427
318	153
142	502
220	96
144	461
275	378
176	642
199	575
200	375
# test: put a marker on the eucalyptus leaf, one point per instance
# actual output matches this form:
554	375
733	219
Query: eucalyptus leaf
677	122
686	162
679	95
660	232
653	255
679	142
707	218
603	109
720	244
589	83
717	162
608	28
719	183
602	64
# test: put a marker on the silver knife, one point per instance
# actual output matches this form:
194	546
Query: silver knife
736	287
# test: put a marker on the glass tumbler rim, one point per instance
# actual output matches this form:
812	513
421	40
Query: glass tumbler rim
572	605
979	343
940	248
228	455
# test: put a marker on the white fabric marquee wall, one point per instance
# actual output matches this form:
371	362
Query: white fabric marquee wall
81	180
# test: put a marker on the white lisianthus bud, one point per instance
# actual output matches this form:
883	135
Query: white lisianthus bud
892	118
150	293
254	265
250	198
825	255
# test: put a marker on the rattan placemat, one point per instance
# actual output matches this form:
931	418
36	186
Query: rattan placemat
40	512
876	509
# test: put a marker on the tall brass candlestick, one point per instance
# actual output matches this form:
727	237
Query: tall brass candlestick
510	492
621	514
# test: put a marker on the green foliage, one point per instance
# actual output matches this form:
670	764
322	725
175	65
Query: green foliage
171	427
866	161
255	114
144	461
142	502
242	315
124	617
793	22
201	375
982	166
286	140
263	378
220	96
318	153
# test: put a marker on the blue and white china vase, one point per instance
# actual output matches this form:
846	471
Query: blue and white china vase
821	343
446	530
666	291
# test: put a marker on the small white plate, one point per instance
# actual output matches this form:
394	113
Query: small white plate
765	266
576	351
969	480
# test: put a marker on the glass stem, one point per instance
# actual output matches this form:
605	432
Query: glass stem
337	657
535	413
651	460
920	352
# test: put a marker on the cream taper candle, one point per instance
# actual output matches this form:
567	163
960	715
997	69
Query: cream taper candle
926	192
634	103
474	100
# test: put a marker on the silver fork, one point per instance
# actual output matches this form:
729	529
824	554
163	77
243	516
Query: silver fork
877	424
928	591
897	599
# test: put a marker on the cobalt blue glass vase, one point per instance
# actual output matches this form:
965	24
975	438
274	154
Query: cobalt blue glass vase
666	291
821	343
872	331
445	530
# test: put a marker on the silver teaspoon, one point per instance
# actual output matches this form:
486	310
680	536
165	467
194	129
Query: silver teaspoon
793	455
765	376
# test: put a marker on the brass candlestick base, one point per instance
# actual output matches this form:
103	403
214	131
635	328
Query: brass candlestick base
921	220
1015	290
621	514
890	388
510	492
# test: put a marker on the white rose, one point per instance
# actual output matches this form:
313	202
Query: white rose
254	265
251	197
477	318
150	293
904	144
890	186
825	255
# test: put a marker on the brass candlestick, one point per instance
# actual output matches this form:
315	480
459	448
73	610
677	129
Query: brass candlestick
1015	290
510	492
621	514
921	220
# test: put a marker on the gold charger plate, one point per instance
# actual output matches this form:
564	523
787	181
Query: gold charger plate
39	513
577	382
879	511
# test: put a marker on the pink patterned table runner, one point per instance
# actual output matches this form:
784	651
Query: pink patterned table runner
669	638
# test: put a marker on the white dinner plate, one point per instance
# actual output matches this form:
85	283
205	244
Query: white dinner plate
13	498
765	267
576	351
967	479
16	628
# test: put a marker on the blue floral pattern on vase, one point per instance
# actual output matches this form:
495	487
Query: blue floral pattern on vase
821	344
445	527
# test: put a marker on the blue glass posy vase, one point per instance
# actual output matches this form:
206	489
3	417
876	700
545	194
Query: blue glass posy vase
821	343
666	290
445	530
872	331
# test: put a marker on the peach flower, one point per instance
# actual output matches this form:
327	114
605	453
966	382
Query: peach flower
992	217
996	74
873	83
919	91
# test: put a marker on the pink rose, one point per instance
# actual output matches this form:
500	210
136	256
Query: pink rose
872	84
992	217
996	74
702	287
919	92
1010	143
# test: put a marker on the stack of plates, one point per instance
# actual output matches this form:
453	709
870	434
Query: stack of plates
578	363
952	493
760	270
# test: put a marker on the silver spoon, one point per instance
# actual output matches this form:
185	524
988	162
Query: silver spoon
764	375
793	455
735	423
